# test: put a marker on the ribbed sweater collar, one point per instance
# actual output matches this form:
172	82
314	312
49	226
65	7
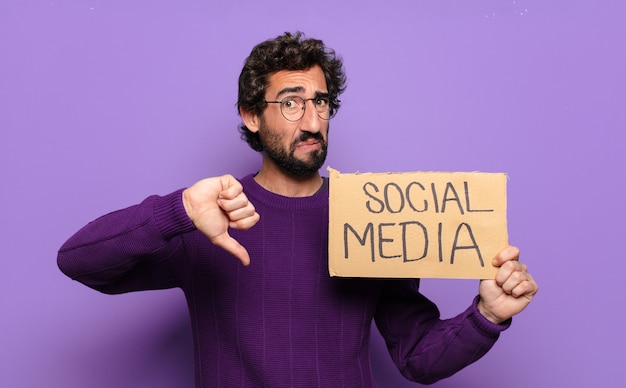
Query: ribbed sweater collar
258	194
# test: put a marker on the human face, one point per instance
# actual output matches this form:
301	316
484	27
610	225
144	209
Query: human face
298	148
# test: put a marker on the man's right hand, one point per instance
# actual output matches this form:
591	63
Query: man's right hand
214	205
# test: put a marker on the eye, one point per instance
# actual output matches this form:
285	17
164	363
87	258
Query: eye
322	102
292	103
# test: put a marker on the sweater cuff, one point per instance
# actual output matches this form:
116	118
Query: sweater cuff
170	215
484	325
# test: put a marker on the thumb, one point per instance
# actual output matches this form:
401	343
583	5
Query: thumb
229	244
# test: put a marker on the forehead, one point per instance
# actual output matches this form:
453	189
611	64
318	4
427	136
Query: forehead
309	81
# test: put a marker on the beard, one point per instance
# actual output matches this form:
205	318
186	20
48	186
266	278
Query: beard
285	158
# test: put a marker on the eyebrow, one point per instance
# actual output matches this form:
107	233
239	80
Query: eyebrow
290	89
299	89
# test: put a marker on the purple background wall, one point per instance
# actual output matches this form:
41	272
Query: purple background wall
105	102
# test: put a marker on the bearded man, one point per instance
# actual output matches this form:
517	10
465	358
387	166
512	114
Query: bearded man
274	317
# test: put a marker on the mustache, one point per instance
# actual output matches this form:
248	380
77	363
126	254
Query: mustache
304	136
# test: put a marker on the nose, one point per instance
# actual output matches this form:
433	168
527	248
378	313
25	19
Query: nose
311	120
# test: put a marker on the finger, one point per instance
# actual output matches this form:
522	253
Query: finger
245	223
508	253
242	215
512	281
526	288
518	282
507	270
238	202
229	244
231	187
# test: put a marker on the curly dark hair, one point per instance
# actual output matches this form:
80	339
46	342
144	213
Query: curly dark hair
286	52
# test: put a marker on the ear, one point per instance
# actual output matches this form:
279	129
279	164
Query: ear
250	119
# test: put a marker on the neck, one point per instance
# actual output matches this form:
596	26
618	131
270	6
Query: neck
273	179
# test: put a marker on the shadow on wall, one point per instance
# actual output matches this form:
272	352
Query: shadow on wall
160	357
172	351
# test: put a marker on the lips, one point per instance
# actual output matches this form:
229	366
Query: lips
308	139
309	142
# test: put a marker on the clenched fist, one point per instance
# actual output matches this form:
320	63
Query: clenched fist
214	205
512	289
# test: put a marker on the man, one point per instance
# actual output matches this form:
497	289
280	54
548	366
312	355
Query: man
280	320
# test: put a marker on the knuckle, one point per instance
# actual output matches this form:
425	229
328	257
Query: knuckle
510	265
518	276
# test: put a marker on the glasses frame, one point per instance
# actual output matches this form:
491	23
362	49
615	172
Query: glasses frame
331	107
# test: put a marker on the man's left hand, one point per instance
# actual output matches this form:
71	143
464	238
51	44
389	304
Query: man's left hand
510	292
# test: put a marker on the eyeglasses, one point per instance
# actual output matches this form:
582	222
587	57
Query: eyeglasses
293	107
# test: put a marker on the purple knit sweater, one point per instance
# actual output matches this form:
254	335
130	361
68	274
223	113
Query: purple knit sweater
282	321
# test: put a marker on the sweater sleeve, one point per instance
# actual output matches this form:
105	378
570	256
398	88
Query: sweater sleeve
132	249
424	347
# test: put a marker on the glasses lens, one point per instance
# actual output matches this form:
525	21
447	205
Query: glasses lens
322	106
292	108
